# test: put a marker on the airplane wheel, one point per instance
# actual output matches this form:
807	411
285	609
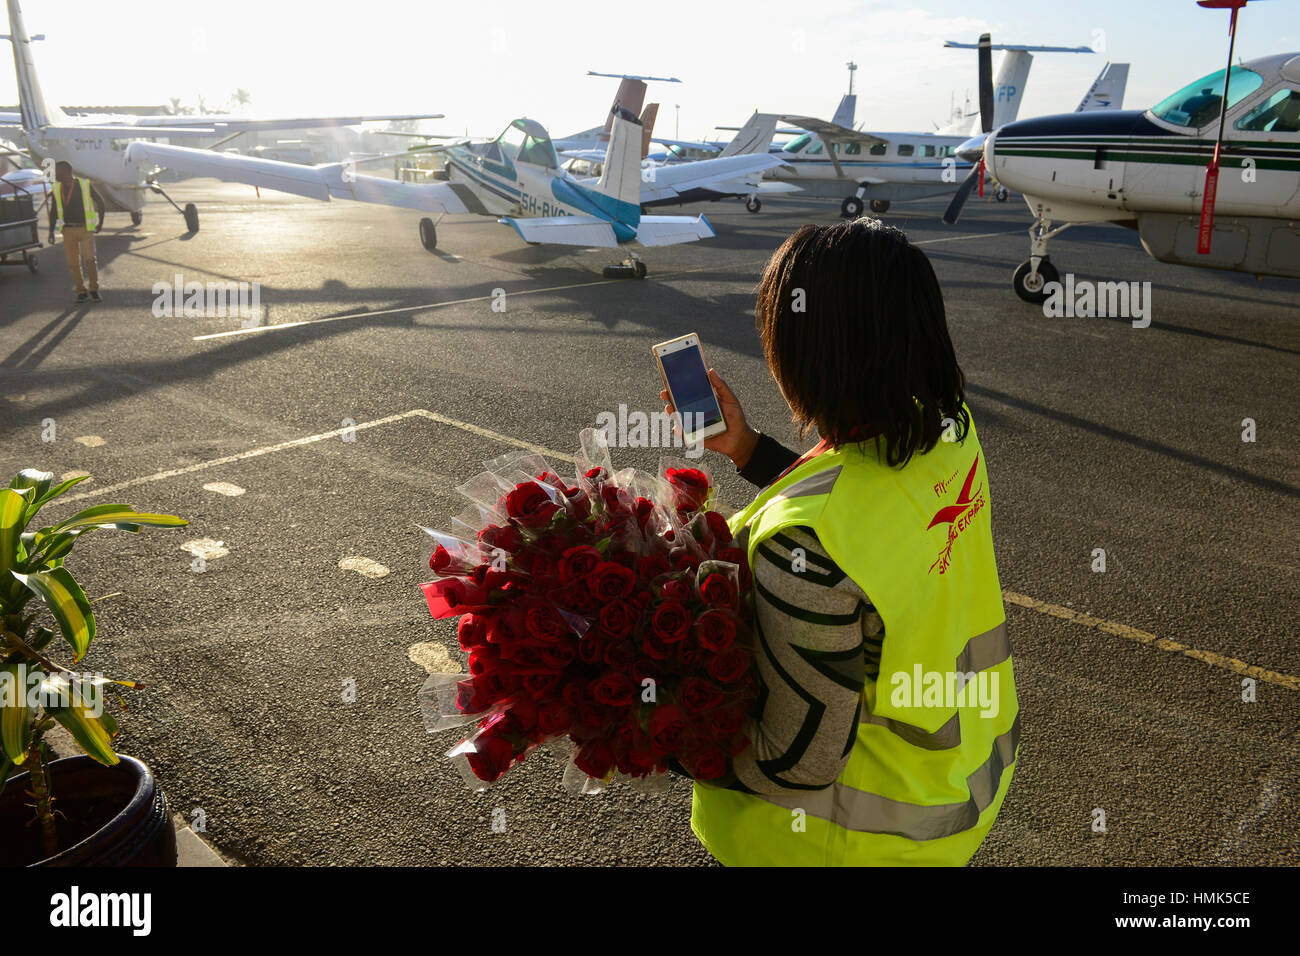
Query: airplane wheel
1030	288
753	204
1002	194
880	205
137	218
639	269
428	234
623	271
851	208
191	217
33	264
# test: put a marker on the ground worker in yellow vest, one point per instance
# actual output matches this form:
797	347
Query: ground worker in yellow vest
75	214
887	727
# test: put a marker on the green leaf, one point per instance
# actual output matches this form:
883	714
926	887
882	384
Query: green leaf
6	771
59	489
13	508
31	478
15	716
92	733
118	516
67	602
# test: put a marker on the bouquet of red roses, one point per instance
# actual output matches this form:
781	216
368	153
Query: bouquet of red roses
606	617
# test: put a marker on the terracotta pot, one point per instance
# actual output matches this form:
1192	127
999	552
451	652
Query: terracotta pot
110	816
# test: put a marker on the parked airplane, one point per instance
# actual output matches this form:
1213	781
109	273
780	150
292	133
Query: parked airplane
96	146
516	177
886	167
1157	171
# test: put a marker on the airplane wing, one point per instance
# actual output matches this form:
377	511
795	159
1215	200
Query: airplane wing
224	123
671	230
833	132
686	143
665	182
330	181
565	230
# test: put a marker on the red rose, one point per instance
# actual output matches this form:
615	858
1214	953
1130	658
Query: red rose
557	656
491	758
451	597
617	618
595	758
690	485
698	694
543	566
690	653
483	659
442	560
539	682
552	717
717	589
471	630
614	502
726	721
718	527
729	666
591	648
644	667
651	566
506	537
530	505
716	630
675	589
472	698
524	711
613	690
578	562
619	655
666	724
706	763
683	559
671	621
654	647
610	581
545	624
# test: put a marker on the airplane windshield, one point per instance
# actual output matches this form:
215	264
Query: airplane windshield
1199	103
798	143
527	142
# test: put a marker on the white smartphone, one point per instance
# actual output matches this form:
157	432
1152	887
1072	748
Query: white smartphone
681	363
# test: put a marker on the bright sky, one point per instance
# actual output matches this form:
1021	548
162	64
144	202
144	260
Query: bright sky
484	63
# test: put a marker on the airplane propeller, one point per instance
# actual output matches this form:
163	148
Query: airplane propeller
1212	171
974	147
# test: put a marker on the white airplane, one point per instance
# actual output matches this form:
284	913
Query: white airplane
886	167
96	146
1157	171
515	177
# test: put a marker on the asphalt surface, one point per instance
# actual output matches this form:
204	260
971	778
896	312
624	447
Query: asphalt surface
1097	435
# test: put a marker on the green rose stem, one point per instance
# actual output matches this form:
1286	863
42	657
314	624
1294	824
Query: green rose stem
38	773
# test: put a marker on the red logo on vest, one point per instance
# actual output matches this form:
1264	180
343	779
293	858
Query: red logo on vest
956	516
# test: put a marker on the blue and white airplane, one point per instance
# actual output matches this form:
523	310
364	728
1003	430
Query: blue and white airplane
515	177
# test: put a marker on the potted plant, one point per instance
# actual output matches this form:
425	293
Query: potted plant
108	810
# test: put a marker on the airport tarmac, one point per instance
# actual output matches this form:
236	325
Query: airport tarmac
1098	435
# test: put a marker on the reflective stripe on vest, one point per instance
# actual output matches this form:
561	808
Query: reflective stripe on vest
87	205
924	781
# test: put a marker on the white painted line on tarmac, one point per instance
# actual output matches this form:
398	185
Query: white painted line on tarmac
310	439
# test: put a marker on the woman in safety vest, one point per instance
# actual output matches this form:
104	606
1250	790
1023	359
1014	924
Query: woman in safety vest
887	725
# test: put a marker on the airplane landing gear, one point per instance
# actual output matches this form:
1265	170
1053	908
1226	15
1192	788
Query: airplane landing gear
880	205
190	212
1033	275
137	218
851	208
753	204
428	234
630	268
1002	194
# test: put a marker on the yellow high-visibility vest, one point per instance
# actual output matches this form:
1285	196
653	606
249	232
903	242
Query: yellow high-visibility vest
930	763
92	214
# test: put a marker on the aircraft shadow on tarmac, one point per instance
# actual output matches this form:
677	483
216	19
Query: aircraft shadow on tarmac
34	351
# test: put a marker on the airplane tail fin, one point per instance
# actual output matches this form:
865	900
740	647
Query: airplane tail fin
648	117
846	111
630	96
754	137
1009	85
1107	91
621	178
31	101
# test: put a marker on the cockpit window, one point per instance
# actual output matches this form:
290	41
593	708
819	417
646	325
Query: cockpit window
798	143
1280	113
526	142
1199	103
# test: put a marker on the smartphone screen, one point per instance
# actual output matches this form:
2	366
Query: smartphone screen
688	382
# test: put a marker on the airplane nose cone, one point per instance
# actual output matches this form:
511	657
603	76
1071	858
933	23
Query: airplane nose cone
990	143
971	150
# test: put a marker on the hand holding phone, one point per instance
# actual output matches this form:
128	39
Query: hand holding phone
736	439
681	363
